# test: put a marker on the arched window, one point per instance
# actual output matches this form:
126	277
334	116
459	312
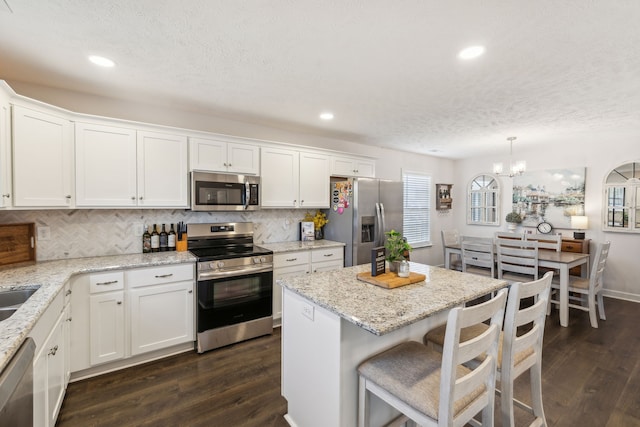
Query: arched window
622	199
483	201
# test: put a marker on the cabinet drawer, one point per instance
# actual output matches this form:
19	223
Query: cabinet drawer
575	246
103	282
330	254
158	275
290	258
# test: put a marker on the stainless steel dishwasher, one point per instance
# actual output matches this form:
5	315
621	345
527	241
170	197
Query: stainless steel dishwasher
16	388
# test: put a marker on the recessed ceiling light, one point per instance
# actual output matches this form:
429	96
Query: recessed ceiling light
101	61
471	52
326	116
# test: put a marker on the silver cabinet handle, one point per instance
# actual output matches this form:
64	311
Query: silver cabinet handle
53	351
294	202
328	254
111	282
140	197
224	164
190	291
291	259
119	302
133	197
6	195
68	292
68	196
163	276
229	164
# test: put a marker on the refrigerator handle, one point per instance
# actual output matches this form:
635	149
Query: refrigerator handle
378	225
384	226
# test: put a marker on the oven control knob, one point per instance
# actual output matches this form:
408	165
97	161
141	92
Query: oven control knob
263	259
220	264
212	265
257	260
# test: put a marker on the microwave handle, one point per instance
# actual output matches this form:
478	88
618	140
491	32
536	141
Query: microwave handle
247	194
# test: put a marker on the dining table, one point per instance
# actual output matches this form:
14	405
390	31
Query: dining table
561	261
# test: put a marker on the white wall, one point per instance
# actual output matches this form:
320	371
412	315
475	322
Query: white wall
599	153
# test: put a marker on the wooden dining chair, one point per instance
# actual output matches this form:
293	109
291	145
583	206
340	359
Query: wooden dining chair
451	237
508	235
477	256
434	389
517	260
587	290
518	353
546	241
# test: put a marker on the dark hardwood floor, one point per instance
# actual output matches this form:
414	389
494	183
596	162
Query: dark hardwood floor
591	377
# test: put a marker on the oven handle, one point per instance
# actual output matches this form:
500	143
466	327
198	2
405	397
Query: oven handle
242	271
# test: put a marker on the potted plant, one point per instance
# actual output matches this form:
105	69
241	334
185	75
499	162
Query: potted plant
396	247
513	219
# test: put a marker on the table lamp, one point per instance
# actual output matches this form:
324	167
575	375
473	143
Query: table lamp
579	223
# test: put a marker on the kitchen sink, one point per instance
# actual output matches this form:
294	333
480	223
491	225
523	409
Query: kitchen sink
5	313
10	301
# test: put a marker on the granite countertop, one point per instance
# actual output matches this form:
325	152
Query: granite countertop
295	246
51	276
379	310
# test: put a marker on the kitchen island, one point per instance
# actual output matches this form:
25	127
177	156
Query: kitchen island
332	322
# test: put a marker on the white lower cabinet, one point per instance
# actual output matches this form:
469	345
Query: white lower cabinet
123	314
107	326
292	264
161	316
50	365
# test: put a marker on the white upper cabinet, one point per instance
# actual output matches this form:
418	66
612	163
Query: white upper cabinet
314	180
105	166
216	155
5	151
42	159
279	181
162	170
353	166
294	179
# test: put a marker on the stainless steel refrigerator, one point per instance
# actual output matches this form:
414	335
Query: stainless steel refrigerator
361	211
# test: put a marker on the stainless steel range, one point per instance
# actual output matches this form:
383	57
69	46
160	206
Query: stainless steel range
235	284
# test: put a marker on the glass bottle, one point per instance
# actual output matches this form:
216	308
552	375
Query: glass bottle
146	241
171	242
164	240
403	269
155	239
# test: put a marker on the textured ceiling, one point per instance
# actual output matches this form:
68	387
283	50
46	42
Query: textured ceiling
388	70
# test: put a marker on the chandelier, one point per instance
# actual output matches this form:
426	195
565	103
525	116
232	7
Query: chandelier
515	168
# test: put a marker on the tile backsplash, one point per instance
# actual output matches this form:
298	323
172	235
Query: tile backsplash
96	232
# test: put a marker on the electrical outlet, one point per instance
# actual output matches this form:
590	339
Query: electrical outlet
44	233
307	311
138	229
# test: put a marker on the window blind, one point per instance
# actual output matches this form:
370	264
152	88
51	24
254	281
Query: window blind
416	213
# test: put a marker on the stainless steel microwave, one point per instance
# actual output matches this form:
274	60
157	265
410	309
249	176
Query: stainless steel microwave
224	192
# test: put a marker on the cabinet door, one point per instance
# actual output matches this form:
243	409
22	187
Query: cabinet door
281	273
161	316
279	180
56	358
5	151
162	170
42	159
243	158
314	180
105	166
365	168
106	326
351	166
319	267
207	155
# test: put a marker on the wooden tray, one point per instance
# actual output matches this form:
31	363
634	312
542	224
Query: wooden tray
17	243
390	280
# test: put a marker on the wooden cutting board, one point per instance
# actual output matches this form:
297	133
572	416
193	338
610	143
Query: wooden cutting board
17	243
390	280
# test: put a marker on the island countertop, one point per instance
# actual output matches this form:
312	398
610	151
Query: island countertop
379	310
50	277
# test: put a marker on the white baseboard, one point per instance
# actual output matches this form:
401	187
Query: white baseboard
621	295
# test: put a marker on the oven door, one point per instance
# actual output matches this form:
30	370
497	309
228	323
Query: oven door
233	299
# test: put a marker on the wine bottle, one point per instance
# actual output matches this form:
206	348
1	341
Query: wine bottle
146	241
155	239
164	240
172	239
